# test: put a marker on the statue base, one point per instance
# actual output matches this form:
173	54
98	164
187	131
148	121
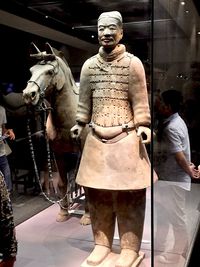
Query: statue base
112	258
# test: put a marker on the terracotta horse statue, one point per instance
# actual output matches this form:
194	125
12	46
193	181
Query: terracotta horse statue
52	78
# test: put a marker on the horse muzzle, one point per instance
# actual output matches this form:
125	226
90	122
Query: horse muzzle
30	97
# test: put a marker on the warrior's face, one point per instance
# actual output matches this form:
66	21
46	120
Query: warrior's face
110	32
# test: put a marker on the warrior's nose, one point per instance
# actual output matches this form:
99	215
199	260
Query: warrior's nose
107	32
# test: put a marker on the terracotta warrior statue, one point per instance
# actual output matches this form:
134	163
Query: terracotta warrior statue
114	166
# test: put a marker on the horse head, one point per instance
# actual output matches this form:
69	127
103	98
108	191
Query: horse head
47	73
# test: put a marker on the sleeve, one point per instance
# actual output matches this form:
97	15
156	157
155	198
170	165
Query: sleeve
174	142
3	114
84	109
138	93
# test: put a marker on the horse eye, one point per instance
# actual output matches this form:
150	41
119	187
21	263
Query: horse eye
50	72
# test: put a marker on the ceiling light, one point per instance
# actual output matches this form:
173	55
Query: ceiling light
198	32
182	3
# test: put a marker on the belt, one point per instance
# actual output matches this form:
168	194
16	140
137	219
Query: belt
114	139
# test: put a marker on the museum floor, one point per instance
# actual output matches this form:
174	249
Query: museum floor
43	242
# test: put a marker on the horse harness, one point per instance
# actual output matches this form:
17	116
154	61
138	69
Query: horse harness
42	90
42	107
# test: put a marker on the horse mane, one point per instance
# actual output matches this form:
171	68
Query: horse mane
66	69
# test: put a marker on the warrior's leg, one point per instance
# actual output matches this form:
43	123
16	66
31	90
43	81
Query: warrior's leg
103	224
130	209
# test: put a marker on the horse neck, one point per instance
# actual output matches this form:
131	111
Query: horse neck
65	100
64	107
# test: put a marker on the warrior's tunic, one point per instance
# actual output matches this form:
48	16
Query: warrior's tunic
113	99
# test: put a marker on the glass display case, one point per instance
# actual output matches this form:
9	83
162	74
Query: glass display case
165	35
175	67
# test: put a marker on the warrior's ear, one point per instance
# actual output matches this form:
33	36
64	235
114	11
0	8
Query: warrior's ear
49	49
34	49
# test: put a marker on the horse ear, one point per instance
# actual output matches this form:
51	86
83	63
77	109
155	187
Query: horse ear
59	81
34	49
49	49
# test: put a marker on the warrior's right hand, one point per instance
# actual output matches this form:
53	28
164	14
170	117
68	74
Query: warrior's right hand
76	131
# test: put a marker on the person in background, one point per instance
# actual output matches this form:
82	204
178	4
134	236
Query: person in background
175	170
8	241
114	166
5	133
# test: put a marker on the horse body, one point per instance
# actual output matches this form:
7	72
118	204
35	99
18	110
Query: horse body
51	77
